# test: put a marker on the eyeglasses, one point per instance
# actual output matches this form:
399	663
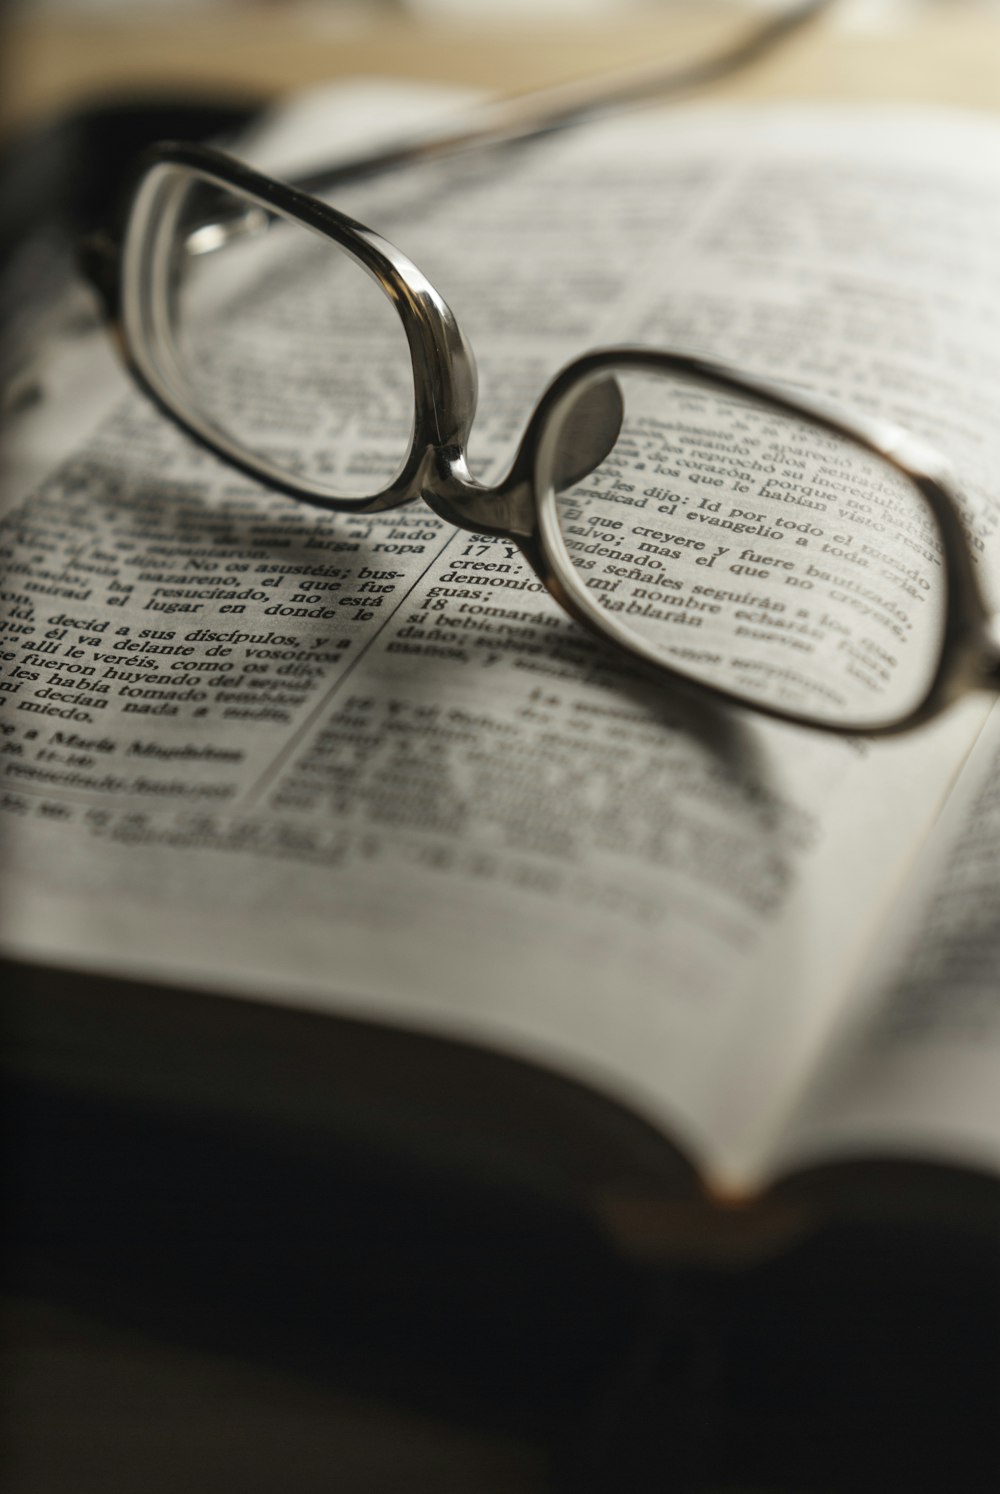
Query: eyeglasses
723	531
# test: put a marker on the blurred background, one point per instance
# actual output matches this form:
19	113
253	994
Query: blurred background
58	51
84	83
58	57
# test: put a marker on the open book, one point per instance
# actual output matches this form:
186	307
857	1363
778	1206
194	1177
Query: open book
492	889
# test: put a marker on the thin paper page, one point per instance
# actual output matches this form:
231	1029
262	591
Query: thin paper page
364	762
917	1071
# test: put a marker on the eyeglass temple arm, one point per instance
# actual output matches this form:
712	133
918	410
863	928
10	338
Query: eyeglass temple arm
528	116
514	119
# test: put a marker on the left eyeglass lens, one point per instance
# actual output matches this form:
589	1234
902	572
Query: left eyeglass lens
753	550
272	340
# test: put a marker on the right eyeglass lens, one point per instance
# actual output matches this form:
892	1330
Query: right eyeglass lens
272	340
755	551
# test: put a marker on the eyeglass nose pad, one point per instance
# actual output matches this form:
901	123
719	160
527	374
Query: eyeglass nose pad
589	432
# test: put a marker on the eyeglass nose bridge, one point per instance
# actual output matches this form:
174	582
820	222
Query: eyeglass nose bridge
445	383
587	434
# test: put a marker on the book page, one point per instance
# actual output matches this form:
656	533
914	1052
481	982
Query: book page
365	763
917	1070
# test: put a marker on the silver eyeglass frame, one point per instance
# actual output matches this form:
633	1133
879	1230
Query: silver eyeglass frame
572	428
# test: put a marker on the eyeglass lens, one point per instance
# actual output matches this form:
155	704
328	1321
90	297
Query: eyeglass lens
279	340
758	552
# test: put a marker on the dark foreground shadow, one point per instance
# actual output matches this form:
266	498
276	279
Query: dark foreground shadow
206	1294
